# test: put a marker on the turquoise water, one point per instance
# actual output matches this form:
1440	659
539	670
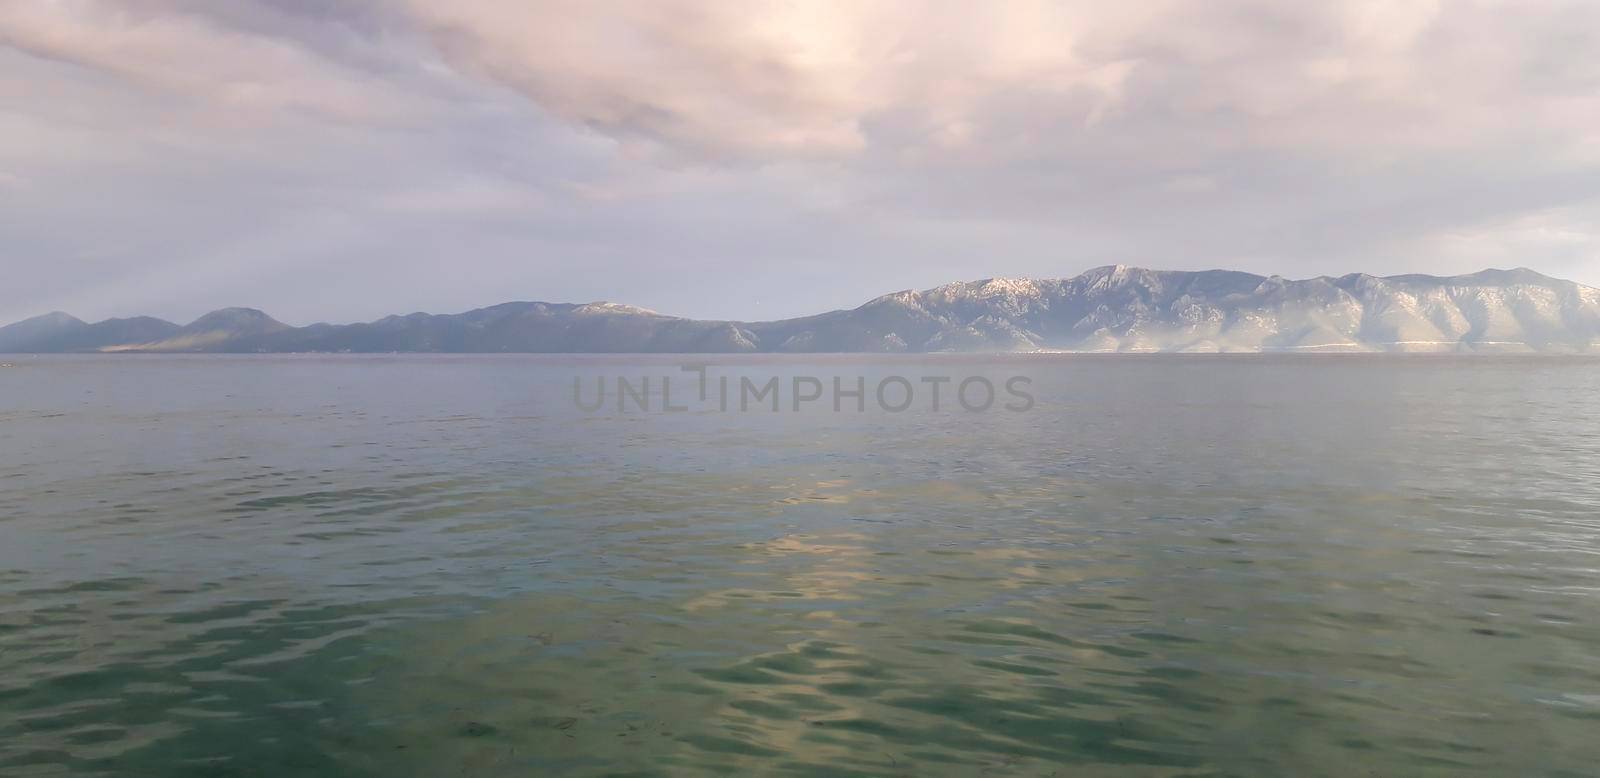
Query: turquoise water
1168	566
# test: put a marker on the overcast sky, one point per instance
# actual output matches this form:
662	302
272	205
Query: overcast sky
344	159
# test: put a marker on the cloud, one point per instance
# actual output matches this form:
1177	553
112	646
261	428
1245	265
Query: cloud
158	46
472	196
714	79
1563	240
743	82
1245	132
844	78
574	150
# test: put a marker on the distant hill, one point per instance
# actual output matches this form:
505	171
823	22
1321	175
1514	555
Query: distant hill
1108	309
58	332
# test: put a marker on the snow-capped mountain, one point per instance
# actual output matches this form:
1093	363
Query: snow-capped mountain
1108	309
1119	308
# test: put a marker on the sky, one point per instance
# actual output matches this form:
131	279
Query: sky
341	160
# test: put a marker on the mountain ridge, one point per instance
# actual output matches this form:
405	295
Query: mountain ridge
1113	308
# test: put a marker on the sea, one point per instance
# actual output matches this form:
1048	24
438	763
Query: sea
616	565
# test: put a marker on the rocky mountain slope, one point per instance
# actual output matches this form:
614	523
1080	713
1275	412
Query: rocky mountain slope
1108	309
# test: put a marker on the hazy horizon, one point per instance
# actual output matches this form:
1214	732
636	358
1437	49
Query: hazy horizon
492	303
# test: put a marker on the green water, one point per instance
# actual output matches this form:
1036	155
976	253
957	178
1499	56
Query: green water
394	566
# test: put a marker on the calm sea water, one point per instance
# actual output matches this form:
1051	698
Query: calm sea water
1169	566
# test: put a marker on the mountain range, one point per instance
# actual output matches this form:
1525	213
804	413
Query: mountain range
1107	309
